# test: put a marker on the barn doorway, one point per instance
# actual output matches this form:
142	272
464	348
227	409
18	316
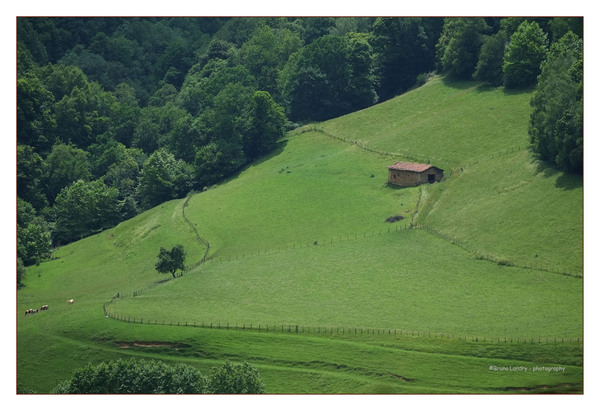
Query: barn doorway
431	178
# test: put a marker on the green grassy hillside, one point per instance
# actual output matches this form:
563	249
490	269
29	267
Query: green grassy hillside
445	122
300	238
315	189
404	280
519	211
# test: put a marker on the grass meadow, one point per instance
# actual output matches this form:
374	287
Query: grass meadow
317	189
444	122
497	221
300	238
383	281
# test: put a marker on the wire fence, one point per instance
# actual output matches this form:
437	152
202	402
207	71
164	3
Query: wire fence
200	239
409	156
494	259
401	225
405	155
338	331
319	330
393	227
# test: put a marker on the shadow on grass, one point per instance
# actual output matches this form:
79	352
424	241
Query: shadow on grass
517	91
565	181
458	84
396	187
483	87
277	151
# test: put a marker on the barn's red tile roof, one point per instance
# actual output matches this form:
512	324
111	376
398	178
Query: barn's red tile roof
404	166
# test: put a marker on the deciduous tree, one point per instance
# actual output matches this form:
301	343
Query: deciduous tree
36	120
491	58
317	80
556	123
33	234
30	172
134	377
403	50
169	261
267	122
524	55
84	208
235	379
164	178
64	165
459	44
157	377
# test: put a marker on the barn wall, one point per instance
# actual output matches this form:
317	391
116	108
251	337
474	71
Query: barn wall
413	178
404	178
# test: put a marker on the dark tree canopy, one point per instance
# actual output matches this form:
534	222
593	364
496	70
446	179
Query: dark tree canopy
266	127
169	261
491	59
524	54
133	376
163	178
459	44
403	49
33	234
556	123
320	81
157	107
235	379
64	165
83	208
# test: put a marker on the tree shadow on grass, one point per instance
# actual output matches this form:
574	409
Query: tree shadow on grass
274	153
564	180
517	91
396	187
483	87
457	83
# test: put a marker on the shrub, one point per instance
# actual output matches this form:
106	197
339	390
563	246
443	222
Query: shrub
424	78
134	377
235	379
157	377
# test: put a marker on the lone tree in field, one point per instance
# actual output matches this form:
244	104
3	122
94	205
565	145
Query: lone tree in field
169	261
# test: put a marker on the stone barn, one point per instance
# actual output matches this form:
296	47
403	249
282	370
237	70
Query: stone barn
413	174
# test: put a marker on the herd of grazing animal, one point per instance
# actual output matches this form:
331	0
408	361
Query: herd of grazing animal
43	308
35	310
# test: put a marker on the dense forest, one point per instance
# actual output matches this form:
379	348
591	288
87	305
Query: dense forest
117	115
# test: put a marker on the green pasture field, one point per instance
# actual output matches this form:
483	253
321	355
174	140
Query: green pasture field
406	280
444	122
527	215
300	238
316	189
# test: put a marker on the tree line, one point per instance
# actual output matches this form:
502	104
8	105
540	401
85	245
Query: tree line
131	376
117	115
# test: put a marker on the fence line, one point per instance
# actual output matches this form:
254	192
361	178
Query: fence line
202	240
340	331
361	145
494	259
407	155
398	226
